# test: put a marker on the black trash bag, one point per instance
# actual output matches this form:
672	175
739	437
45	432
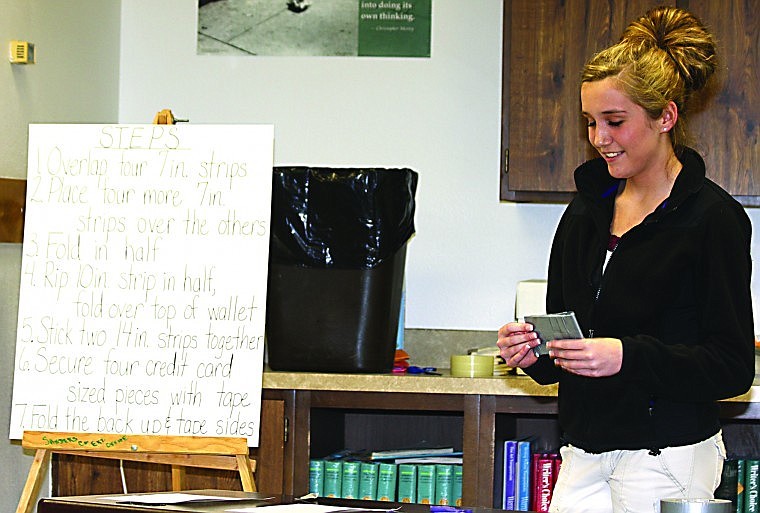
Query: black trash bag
336	267
342	218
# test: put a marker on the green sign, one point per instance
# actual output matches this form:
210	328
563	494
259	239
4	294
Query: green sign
394	28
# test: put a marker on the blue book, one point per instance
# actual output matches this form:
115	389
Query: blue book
522	476
510	460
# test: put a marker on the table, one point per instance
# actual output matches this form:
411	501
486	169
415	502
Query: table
102	504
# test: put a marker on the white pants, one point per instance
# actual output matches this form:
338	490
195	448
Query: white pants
636	481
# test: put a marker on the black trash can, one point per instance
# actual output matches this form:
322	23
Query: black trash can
336	267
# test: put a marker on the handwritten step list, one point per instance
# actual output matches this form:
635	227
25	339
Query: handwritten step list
143	280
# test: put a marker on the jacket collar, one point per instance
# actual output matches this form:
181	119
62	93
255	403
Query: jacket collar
594	182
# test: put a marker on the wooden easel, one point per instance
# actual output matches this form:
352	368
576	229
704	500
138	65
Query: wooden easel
178	451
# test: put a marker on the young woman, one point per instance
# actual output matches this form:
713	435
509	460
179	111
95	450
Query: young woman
654	259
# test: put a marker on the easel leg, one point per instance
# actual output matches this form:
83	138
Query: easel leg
246	473
178	478
33	481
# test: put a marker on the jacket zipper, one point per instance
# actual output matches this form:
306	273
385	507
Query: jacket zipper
599	290
653	451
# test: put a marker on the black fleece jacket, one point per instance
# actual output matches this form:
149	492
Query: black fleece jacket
676	291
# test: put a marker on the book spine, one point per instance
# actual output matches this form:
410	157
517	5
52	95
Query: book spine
751	486
350	488
368	481
456	491
317	477
534	481
510	458
522	476
412	453
545	485
407	483
729	483
425	484
387	476
444	482
740	473
333	478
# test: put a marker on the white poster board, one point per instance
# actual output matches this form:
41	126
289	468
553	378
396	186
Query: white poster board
143	280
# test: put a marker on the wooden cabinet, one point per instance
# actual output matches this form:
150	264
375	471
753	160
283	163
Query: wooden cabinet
546	43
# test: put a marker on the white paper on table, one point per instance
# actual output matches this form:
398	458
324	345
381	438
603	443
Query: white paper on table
172	498
302	508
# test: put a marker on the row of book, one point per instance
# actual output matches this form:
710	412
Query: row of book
740	483
423	483
527	485
528	476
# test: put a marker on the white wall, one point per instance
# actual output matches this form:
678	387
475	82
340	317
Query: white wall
439	116
76	75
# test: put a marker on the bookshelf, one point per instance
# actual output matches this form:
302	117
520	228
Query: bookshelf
330	412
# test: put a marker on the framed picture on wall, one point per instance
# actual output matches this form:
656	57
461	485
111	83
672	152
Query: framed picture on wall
359	28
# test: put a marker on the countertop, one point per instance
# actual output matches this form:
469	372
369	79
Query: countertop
444	384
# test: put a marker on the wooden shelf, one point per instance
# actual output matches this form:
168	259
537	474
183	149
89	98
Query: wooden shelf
323	411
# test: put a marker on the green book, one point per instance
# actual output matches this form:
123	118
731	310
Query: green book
387	476
368	480
751	486
333	478
456	491
444	484
425	484
317	477
729	483
351	475
740	466
407	483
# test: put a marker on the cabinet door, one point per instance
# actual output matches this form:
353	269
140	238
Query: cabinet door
726	131
546	43
79	475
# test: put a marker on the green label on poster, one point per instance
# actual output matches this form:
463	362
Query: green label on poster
394	28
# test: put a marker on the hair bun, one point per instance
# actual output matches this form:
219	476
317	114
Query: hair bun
682	36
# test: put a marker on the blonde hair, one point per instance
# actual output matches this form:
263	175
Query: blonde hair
666	55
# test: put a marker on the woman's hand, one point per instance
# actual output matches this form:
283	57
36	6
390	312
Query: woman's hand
515	342
590	357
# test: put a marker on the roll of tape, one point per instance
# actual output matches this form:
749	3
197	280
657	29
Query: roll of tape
695	506
471	366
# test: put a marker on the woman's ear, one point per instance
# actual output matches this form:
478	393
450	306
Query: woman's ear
669	117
